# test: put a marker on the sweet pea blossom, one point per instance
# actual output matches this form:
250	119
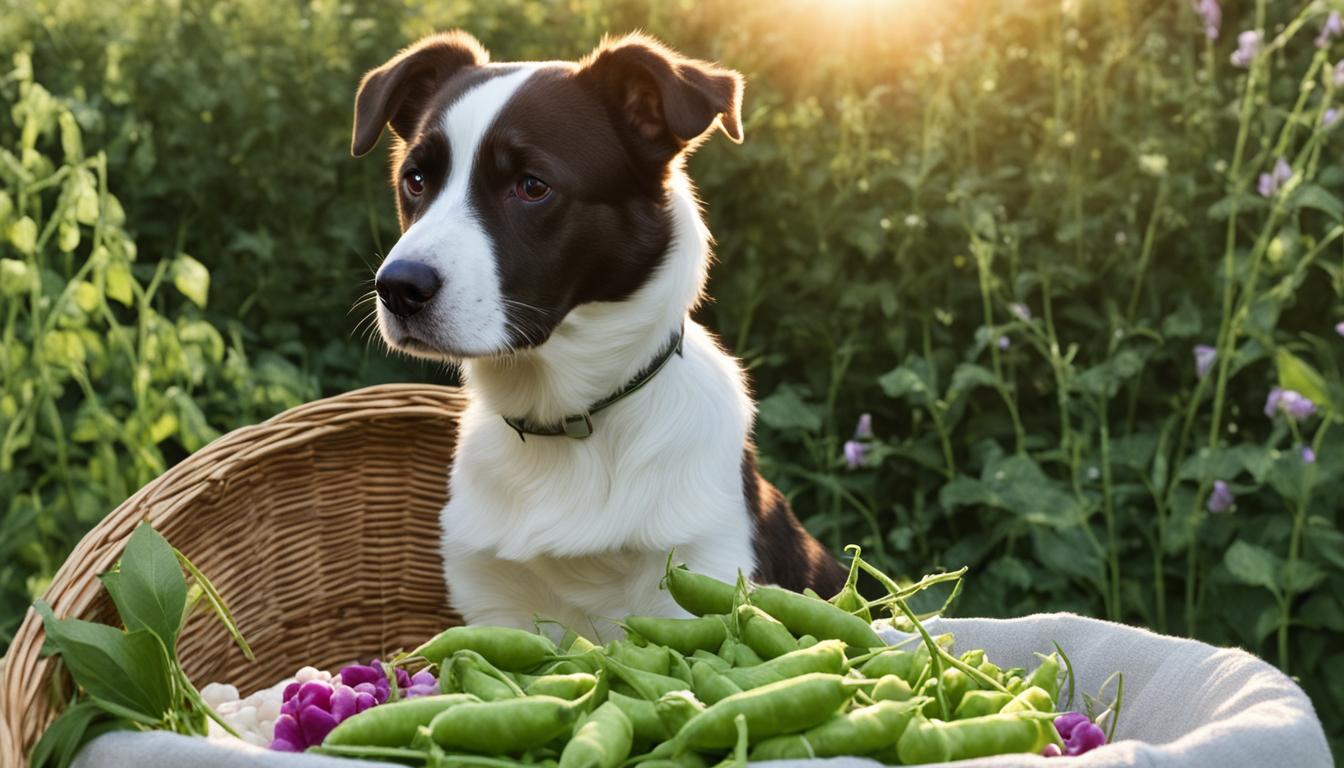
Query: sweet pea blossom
1205	356
1332	28
1221	500
1272	182
1248	47
864	429
1308	455
1297	406
854	453
1211	15
1004	343
1080	735
311	709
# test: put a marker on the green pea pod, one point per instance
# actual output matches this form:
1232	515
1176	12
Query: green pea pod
709	685
771	710
763	633
860	732
393	724
992	671
699	594
739	654
580	644
675	709
807	641
827	656
569	686
1046	676
678	667
472	680
602	741
955	684
649	658
510	649
684	760
1033	699
499	727
926	741
1015	684
893	662
981	703
891	688
647	684
973	658
808	616
681	635
643	717
848	598
714	660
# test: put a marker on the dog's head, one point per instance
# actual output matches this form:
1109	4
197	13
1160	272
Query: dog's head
527	189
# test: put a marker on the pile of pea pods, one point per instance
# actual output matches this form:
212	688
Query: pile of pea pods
759	673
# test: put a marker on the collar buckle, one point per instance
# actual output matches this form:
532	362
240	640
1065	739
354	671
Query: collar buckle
578	426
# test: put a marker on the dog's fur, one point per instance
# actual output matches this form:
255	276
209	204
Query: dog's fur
552	305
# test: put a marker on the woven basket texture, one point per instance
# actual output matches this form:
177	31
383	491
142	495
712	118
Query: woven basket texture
320	528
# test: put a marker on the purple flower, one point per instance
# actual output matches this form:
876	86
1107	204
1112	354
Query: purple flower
1204	359
1308	455
1338	75
1272	182
422	684
864	429
1330	117
1020	311
1339	328
1221	500
1332	28
1004	343
854	453
1079	733
1248	47
310	710
1211	15
1297	406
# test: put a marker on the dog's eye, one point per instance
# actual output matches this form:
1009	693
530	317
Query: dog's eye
532	189
415	183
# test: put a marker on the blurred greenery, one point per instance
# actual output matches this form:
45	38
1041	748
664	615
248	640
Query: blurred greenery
1000	227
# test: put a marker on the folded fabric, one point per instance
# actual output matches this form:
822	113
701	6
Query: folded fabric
1186	704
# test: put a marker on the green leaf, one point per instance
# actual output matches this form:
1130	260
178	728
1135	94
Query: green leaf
1314	196
1253	564
1301	576
191	278
128	670
118	282
784	409
913	379
968	376
1296	374
63	738
151	591
1105	379
1184	323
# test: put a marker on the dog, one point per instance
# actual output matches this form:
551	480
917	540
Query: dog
553	247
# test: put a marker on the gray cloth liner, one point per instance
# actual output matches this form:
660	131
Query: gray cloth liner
1186	704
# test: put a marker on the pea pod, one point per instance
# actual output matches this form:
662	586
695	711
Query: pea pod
714	660
675	709
807	641
893	662
808	616
1033	699
848	598
684	760
499	727
860	732
954	684
647	684
699	594
469	672
681	635
981	703
739	654
771	710
510	649
602	741
763	633
643	717
826	656
678	667
891	688
1046	676
709	685
649	658
393	724
935	741
569	686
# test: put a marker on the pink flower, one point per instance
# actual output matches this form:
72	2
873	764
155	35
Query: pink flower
1079	733
1332	28
1248	47
1211	15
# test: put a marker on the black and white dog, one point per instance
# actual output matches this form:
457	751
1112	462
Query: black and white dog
553	246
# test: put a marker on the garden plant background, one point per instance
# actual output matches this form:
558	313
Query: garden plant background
1081	261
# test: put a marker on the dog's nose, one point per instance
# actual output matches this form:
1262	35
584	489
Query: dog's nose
406	286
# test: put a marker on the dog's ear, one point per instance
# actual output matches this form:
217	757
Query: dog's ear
397	93
660	99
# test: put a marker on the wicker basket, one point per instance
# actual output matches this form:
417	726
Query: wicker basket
281	516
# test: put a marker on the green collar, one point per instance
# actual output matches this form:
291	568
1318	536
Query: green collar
580	425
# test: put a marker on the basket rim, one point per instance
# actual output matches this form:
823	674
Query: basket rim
75	587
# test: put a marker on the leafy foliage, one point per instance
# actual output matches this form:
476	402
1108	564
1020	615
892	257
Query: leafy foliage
1001	228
